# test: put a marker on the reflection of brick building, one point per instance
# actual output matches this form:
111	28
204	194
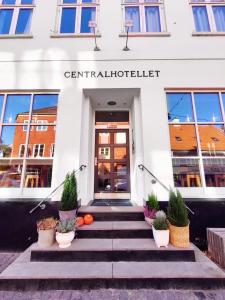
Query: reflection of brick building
41	137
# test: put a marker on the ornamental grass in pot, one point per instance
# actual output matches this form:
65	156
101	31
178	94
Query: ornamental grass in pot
69	204
46	232
65	232
160	229
151	208
178	220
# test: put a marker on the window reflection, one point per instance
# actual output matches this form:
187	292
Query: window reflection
186	173
120	169
183	140
45	108
104	153
207	107
10	173
120	153
180	107
40	142
11	139
120	138
1	104
38	175
212	139
121	185
104	181
214	172
16	105
104	138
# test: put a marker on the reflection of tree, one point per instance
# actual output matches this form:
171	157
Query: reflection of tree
5	150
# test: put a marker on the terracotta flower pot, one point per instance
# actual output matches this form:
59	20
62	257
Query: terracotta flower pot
64	239
46	238
179	236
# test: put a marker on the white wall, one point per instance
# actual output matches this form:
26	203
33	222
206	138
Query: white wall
39	63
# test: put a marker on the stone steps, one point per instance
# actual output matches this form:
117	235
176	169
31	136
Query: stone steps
83	275
111	250
113	213
115	229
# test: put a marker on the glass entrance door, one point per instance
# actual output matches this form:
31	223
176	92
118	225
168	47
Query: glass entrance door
112	169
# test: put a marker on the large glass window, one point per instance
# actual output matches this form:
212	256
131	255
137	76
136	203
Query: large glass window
197	138
15	16
209	15
144	15
77	16
27	136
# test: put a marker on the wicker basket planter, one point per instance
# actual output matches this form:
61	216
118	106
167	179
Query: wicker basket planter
179	236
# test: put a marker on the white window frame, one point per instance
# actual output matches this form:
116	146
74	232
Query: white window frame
142	4
38	150
16	9
41	125
79	5
209	5
52	150
199	157
25	126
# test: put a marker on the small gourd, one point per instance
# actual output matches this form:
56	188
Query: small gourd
80	221
88	219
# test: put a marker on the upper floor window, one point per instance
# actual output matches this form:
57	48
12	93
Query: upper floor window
145	15
15	16
76	15
209	15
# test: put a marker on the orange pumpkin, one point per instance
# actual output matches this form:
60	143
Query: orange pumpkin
80	221
88	219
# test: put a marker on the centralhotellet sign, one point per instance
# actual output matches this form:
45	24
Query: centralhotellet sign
112	74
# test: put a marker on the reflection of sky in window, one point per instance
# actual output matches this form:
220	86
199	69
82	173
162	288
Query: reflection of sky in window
8	1
88	14
45	101
1	103
223	98
16	104
207	107
69	1
180	107
8	135
68	20
24	20
26	1
5	20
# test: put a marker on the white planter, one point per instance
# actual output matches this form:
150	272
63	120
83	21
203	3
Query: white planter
149	220
64	239
161	237
46	238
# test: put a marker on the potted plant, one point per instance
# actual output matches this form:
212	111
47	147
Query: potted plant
160	229
151	208
46	232
178	220
68	204
65	232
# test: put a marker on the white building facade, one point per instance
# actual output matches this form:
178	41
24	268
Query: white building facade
160	104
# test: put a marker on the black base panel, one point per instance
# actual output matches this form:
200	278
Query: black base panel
134	283
114	234
111	202
116	216
104	256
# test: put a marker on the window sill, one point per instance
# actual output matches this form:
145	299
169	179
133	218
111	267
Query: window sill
65	35
208	33
16	36
146	34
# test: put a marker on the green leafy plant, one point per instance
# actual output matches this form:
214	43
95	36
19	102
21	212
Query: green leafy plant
153	202
69	195
66	226
160	222
177	212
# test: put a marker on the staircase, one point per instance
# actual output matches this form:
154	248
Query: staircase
116	251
